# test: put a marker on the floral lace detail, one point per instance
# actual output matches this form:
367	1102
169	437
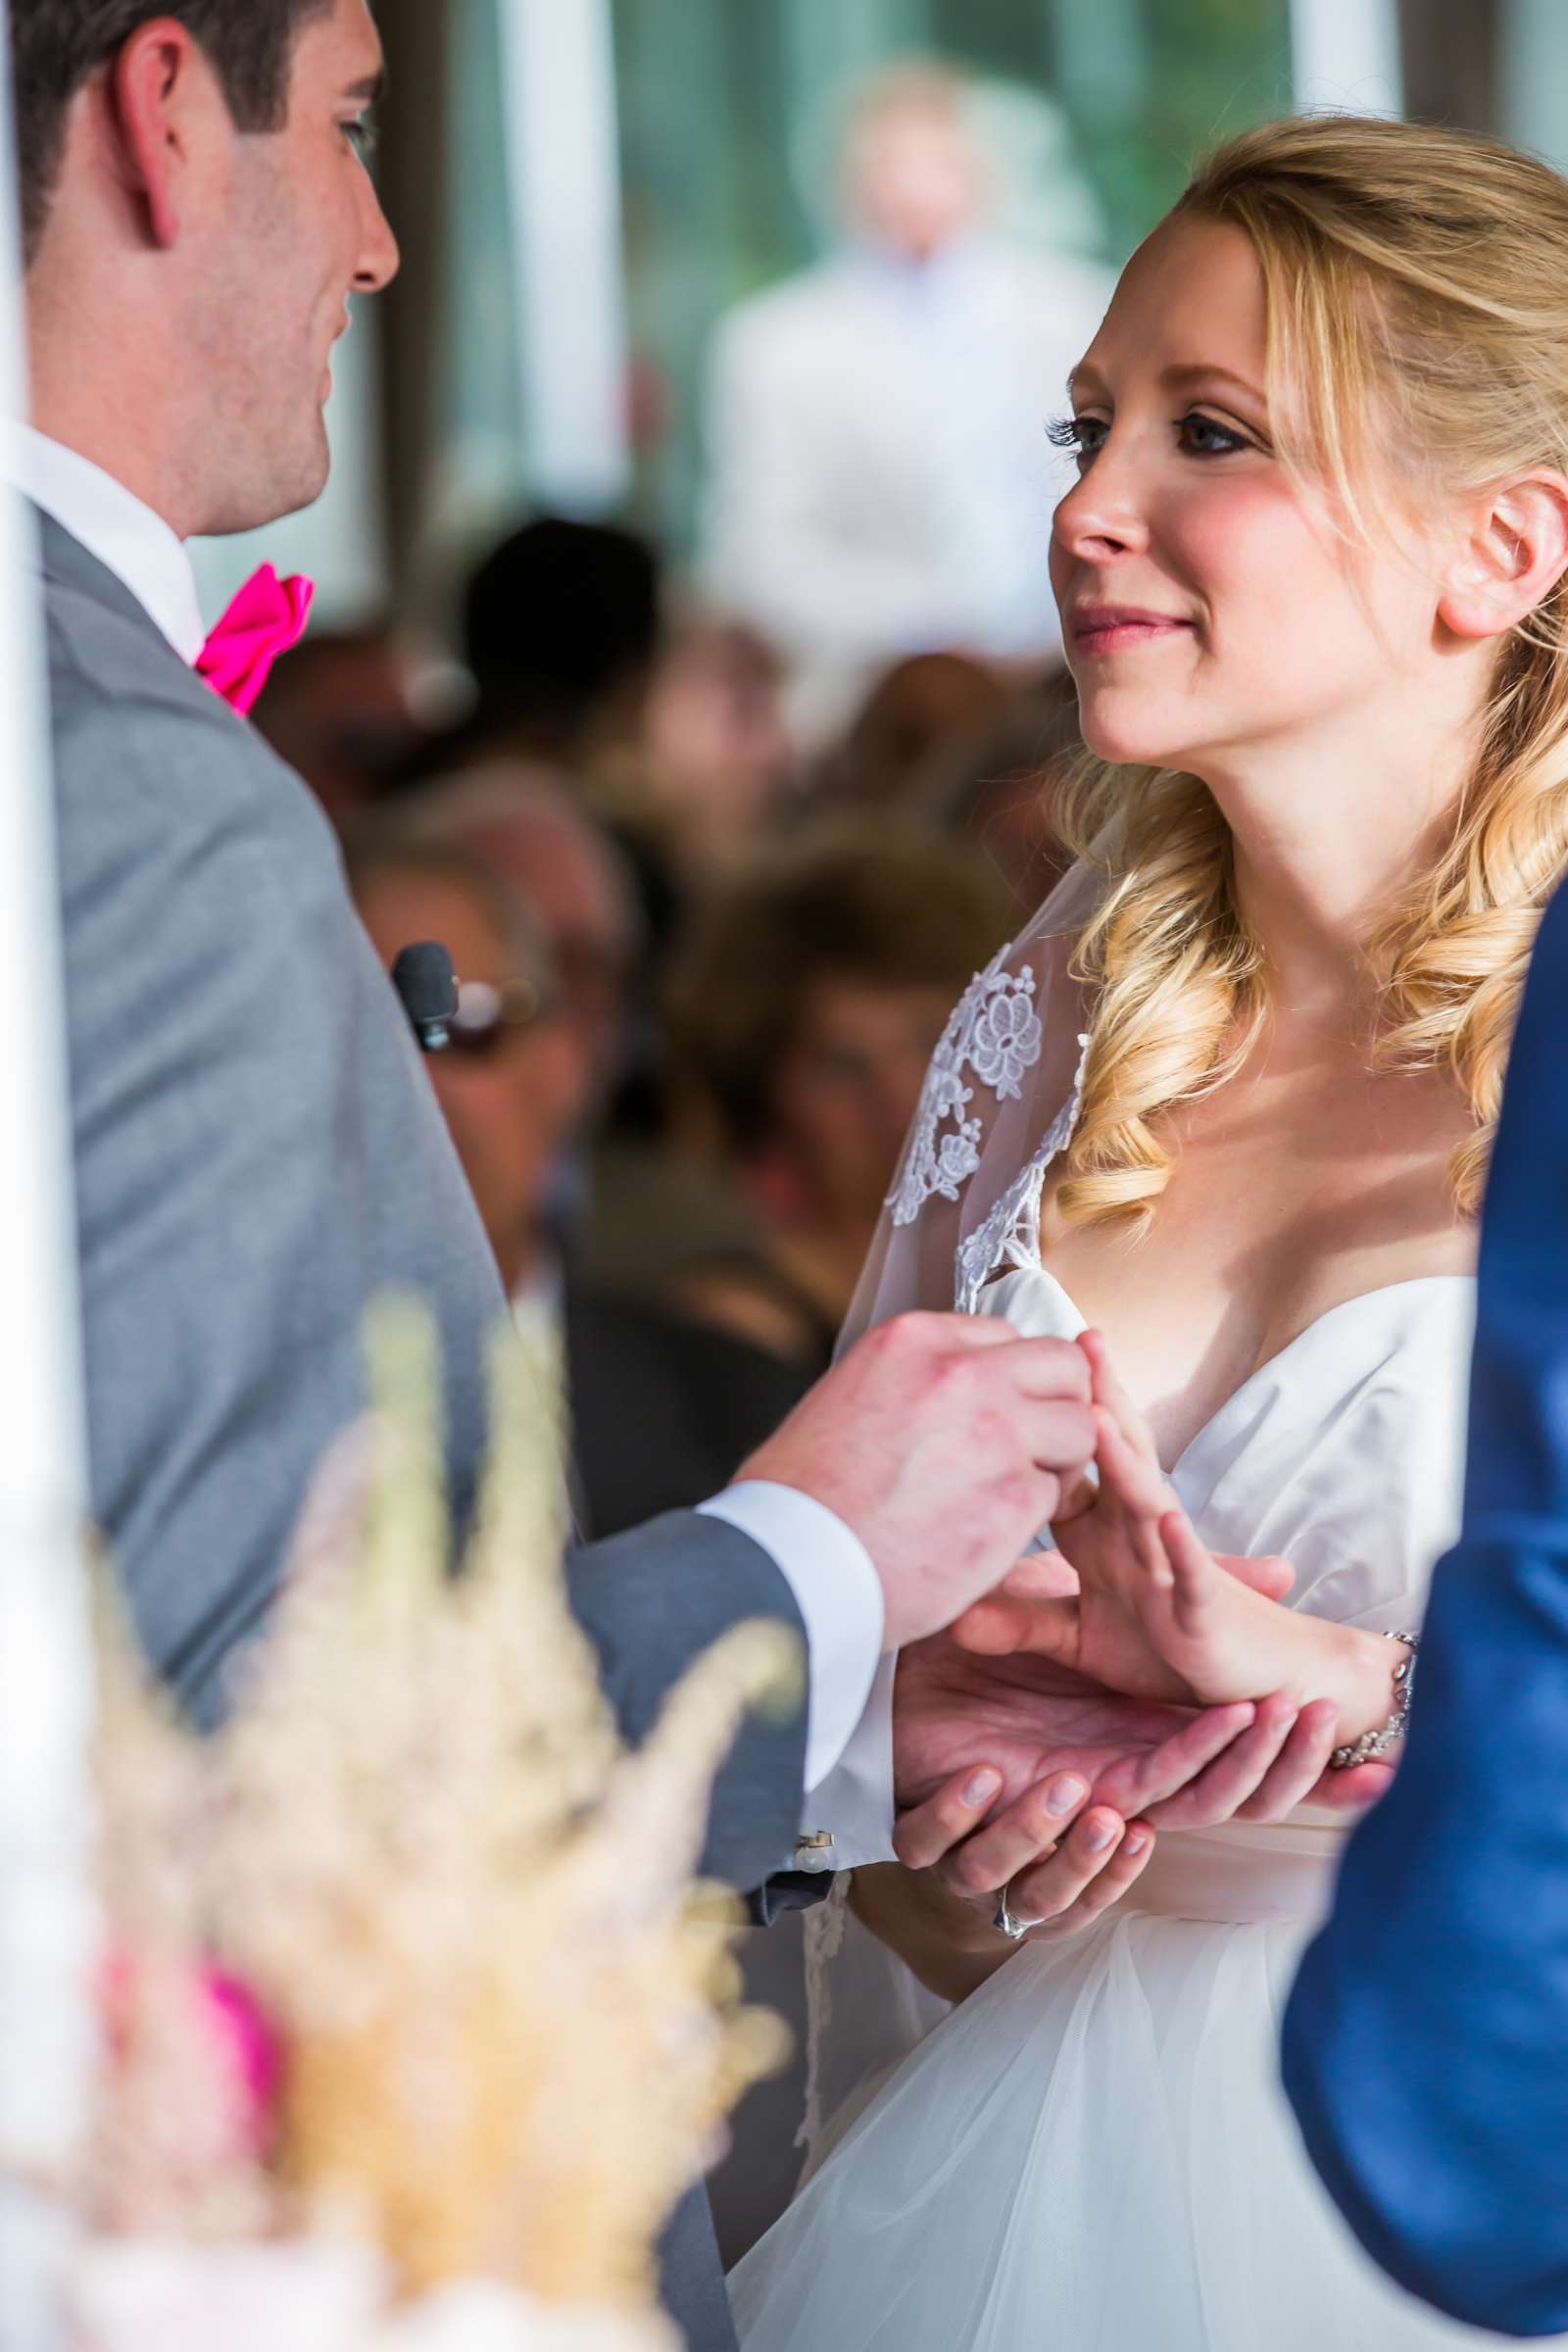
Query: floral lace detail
994	1033
1010	1234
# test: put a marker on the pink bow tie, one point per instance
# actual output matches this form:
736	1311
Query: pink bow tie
265	619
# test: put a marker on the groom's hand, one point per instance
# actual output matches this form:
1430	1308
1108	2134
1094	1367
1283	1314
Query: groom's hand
1281	1764
994	1760
944	1442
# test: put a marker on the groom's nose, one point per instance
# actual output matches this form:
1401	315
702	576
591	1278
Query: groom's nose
379	259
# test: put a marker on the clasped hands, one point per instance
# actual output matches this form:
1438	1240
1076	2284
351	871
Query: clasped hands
1127	1681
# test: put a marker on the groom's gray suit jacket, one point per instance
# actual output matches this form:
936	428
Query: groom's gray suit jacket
258	1154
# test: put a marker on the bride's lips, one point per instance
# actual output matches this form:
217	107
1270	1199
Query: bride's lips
1115	628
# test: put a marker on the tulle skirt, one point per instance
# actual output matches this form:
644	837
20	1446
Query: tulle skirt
1090	2154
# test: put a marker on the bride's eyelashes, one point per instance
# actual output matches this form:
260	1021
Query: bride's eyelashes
1198	435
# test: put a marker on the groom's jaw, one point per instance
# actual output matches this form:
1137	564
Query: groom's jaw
304	232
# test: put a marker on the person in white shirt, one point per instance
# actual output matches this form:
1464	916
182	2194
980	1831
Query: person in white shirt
880	482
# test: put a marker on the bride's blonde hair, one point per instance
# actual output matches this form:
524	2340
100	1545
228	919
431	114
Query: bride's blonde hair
1417	297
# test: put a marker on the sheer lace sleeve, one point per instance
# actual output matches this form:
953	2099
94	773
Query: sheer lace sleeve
1001	1100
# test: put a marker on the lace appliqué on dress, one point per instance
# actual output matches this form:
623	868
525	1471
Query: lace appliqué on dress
995	1034
1010	1234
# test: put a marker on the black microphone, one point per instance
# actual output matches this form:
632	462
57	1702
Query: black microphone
426	979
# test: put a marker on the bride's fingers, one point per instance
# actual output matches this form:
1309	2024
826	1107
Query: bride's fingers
928	1830
1195	1575
1027	1830
1107	1390
1273	1579
1298	1766
1000	1627
1137	1483
1070	1892
1218	1794
1140	1781
1356	1790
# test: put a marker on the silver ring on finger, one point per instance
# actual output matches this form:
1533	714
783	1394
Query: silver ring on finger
1013	1927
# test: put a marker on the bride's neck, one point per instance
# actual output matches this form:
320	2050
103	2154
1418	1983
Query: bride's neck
1320	855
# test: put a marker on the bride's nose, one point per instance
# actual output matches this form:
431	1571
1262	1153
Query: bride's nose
1103	513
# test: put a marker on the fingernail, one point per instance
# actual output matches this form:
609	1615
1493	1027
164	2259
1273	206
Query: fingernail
981	1788
1098	1836
1135	1841
1066	1796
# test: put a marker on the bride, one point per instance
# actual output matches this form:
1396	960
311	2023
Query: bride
1225	1110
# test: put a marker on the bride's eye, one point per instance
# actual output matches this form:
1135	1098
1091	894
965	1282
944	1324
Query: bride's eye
1084	436
1205	437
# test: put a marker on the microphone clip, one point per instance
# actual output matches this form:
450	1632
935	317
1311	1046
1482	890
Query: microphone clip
426	980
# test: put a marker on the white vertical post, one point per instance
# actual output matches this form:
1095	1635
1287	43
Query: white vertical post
559	68
46	1910
1345	54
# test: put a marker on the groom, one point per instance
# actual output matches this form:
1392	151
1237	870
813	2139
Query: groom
258	1152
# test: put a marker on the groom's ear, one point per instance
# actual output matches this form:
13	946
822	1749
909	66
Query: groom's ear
166	109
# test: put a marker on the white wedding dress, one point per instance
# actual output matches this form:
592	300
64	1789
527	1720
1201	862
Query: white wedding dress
1093	2152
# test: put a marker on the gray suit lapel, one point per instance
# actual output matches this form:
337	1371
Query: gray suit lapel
66	564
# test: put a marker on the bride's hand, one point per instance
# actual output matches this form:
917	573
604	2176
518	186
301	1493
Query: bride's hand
1157	1616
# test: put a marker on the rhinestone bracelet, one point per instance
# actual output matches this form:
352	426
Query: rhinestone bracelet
1377	1744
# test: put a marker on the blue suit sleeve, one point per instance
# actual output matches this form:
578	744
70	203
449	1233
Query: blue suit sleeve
1426	2042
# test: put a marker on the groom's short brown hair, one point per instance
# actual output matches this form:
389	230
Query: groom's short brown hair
58	45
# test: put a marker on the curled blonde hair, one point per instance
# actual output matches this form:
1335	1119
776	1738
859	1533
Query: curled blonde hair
1418	277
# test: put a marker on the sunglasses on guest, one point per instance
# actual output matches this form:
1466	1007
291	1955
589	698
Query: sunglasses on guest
491	1015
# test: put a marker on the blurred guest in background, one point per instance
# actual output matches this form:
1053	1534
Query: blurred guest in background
526	825
880	479
999	787
662	1411
561	630
918	709
714	763
803	1017
342	711
517	1080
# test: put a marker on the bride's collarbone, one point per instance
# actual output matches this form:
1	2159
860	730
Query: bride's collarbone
1216	1289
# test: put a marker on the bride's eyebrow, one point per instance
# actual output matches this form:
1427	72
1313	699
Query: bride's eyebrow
1085	383
1188	380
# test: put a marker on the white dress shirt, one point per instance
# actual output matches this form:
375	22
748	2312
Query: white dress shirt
128	538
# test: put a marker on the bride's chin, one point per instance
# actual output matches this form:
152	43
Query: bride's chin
1126	738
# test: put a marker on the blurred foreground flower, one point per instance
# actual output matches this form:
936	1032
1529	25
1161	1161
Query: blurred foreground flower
418	1878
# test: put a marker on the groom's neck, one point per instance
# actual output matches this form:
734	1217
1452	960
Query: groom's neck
114	396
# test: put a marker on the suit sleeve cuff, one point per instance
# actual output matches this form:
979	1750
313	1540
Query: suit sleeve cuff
839	1596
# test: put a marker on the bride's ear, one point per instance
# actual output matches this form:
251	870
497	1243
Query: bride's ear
1511	551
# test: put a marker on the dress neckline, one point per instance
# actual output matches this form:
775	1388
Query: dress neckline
1382	1292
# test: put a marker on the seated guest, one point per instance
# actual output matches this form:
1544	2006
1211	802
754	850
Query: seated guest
1001	789
803	1017
663	1412
560	631
914	711
514	1083
516	818
714	763
645	1213
342	711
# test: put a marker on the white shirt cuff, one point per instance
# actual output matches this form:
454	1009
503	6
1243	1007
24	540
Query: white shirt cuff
839	1596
